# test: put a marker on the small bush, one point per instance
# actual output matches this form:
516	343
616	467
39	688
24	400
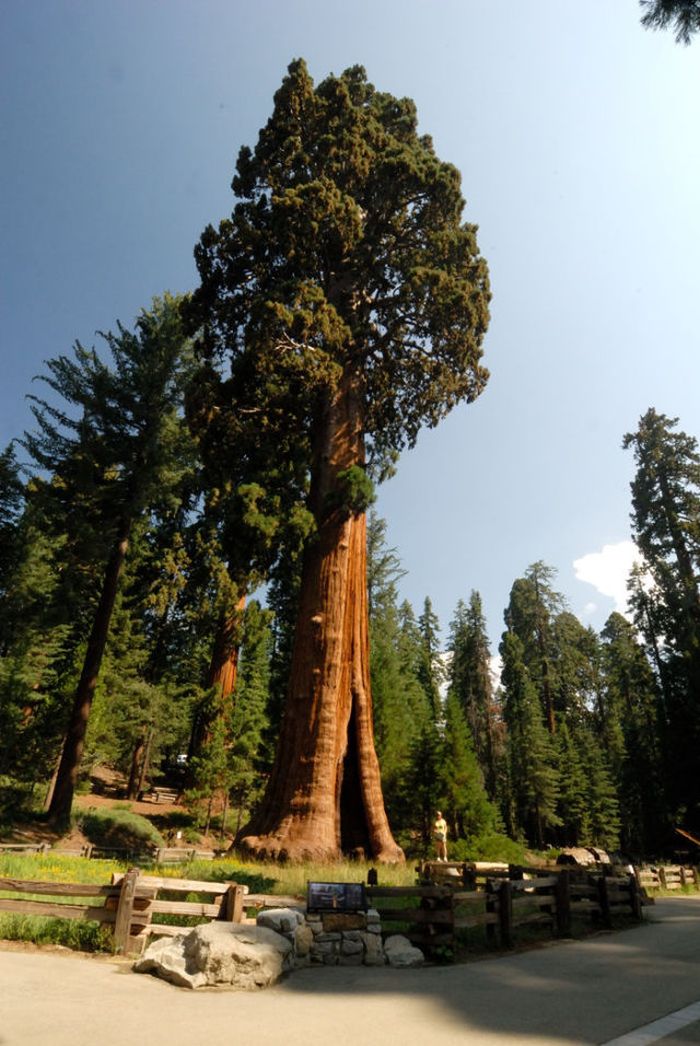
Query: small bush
119	829
83	935
491	846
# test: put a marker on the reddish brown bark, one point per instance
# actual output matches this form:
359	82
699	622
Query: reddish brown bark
324	797
223	670
224	661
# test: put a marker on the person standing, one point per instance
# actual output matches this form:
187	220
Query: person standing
440	834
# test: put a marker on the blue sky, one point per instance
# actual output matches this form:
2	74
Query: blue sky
577	134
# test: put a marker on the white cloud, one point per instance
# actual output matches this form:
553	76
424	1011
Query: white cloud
590	609
608	571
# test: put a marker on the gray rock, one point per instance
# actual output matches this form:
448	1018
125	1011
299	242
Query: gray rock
374	950
303	940
281	920
351	947
219	953
351	960
401	953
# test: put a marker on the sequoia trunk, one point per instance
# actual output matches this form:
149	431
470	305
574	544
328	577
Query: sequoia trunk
223	671
324	795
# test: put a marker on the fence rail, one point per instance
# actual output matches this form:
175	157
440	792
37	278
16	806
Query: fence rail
134	904
668	876
502	901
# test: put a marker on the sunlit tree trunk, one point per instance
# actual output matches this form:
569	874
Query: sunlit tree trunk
324	795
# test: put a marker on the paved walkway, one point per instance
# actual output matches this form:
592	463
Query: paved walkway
607	988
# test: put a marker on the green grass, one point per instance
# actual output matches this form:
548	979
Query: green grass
88	936
81	934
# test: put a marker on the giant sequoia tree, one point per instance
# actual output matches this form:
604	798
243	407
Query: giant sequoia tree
350	302
666	528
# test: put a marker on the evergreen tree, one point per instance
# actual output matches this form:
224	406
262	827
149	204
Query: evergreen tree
632	703
119	455
400	706
11	503
431	671
351	302
469	680
531	610
683	16
464	800
572	800
666	528
248	759
532	760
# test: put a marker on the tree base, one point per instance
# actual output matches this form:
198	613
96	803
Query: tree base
306	850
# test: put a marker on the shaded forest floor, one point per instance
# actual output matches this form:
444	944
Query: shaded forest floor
108	792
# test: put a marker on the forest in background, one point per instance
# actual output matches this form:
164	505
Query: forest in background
230	443
586	738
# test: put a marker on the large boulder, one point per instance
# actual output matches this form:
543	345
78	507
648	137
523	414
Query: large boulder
401	953
219	953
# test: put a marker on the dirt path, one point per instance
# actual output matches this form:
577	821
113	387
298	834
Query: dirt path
583	992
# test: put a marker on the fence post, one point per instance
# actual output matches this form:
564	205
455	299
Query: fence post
490	907
232	907
125	911
505	912
635	897
604	901
563	904
662	876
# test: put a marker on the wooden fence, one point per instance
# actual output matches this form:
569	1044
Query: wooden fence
150	856
501	901
502	904
668	876
132	903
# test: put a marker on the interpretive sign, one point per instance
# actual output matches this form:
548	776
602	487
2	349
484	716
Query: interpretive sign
336	897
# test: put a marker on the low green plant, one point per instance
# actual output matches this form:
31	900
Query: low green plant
120	829
79	934
491	846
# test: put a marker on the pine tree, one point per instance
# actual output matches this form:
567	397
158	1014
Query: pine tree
249	719
464	800
632	703
531	756
531	610
683	16
351	302
666	528
431	671
11	504
469	679
119	455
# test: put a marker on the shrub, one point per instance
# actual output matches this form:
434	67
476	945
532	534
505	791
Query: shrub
491	846
120	829
85	936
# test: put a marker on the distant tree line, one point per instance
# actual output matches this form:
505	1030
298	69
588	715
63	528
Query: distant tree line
115	589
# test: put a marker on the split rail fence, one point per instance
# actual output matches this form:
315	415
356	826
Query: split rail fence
668	877
152	855
502	901
132	903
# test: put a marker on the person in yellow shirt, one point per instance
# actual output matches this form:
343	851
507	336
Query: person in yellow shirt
440	835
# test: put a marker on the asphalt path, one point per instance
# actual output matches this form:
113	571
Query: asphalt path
632	988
